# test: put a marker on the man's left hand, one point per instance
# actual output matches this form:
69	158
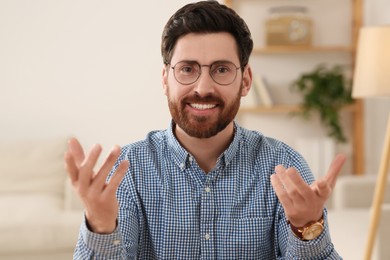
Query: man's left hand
304	203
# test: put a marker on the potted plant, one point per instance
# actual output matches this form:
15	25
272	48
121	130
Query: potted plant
325	92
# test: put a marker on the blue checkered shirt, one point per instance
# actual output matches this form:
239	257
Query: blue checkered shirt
171	209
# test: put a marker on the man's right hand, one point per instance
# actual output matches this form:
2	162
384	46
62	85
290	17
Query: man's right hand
98	196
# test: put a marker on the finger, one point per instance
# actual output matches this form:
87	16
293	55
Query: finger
86	168
101	176
76	150
295	185
322	188
280	191
70	167
280	169
334	169
117	177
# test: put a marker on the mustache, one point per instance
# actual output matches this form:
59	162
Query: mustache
206	99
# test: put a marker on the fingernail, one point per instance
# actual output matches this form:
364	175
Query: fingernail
115	148
96	147
278	169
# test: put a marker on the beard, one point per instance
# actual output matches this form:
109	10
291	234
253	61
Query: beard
204	126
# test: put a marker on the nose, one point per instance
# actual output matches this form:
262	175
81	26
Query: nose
205	84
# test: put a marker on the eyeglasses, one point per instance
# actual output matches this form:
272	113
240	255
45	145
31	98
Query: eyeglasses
188	72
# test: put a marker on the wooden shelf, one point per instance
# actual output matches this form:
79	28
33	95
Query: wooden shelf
278	109
281	109
301	49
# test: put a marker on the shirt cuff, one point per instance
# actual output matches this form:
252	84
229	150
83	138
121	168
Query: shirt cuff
101	244
320	246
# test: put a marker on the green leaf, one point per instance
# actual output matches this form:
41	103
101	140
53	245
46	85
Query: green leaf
325	91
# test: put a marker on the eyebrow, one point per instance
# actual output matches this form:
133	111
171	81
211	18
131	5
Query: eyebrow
214	62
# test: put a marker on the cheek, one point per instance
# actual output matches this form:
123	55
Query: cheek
175	92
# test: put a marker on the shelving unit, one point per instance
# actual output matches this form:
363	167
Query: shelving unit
298	49
356	110
284	109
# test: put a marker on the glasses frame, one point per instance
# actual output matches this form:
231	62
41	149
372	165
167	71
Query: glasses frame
200	71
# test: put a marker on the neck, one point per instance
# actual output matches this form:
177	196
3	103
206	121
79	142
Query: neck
206	150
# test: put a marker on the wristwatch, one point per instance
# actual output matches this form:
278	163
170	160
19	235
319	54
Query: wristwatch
310	231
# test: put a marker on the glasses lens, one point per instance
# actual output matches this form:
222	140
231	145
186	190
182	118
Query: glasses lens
186	72
224	73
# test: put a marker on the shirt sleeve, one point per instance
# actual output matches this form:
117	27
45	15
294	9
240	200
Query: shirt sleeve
120	244
91	245
99	246
319	248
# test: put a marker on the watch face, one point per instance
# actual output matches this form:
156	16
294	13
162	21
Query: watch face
312	231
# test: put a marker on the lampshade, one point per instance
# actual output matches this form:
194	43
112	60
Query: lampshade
372	70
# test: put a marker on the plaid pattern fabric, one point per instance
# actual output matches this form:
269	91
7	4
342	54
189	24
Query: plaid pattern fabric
171	209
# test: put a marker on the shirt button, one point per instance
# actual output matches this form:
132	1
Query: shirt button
182	166
116	242
207	236
207	189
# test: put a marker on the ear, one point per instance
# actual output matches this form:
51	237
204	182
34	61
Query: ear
164	79
246	80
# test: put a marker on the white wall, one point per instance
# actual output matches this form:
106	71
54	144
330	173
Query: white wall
92	69
85	68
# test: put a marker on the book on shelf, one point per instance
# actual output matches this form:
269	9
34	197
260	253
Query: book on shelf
261	90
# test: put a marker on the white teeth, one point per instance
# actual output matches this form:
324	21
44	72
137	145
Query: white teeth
203	106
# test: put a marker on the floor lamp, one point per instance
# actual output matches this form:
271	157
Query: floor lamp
372	79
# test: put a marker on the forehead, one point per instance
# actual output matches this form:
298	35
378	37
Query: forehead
206	48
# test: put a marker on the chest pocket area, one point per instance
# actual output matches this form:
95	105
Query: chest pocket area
252	237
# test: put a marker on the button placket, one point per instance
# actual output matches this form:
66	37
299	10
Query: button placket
207	219
207	209
182	166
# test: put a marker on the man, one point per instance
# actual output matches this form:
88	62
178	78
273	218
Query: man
205	188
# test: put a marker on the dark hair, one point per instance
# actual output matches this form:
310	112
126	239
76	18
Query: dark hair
206	17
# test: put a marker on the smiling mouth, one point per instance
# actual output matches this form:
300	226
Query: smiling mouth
203	106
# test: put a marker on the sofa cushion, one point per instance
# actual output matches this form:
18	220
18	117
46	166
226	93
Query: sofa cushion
32	166
356	192
36	222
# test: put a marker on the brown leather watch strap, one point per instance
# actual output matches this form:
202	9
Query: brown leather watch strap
298	231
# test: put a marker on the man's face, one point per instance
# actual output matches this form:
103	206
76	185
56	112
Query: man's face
204	108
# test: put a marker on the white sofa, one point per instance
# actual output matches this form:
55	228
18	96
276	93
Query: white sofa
40	216
349	217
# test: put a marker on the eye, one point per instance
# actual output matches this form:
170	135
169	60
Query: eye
221	69
186	68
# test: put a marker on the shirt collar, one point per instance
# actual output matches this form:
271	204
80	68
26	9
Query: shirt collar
182	158
233	148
